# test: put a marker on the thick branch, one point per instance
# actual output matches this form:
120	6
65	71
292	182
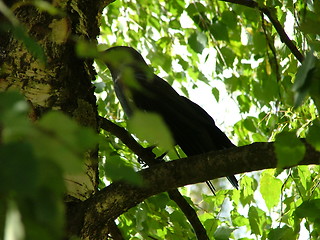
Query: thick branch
277	25
119	197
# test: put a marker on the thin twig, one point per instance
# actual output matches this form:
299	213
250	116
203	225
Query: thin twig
277	25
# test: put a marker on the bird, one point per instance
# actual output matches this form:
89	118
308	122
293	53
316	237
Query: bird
138	88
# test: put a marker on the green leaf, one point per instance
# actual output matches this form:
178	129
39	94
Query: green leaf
271	195
174	24
195	8
313	136
259	42
86	49
66	140
12	105
230	19
197	41
251	14
46	6
249	124
303	79
248	186
220	31
239	220
309	209
176	7
18	168
116	169
151	127
289	149
257	137
257	218
69	131
215	93
311	19
228	56
178	217
282	233
13	116
99	87
211	225
223	233
244	103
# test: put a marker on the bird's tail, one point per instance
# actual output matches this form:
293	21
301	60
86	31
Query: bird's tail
233	181
211	187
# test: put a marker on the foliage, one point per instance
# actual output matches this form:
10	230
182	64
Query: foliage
188	42
32	163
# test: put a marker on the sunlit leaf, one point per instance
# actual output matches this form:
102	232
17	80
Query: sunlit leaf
116	169
271	195
248	185
151	127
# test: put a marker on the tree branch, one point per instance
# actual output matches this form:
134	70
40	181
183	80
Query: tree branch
117	198
103	3
146	155
115	231
277	25
190	213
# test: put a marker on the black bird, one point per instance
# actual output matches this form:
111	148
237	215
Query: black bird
137	87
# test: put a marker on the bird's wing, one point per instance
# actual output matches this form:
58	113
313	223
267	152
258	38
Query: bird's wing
185	118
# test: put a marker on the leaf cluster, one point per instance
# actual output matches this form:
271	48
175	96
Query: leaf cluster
34	157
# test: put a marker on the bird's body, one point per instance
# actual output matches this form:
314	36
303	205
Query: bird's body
136	87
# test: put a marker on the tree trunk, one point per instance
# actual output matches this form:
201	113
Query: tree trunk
58	79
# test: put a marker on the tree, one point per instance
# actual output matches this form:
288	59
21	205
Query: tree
265	53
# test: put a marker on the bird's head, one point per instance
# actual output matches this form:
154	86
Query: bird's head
126	64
